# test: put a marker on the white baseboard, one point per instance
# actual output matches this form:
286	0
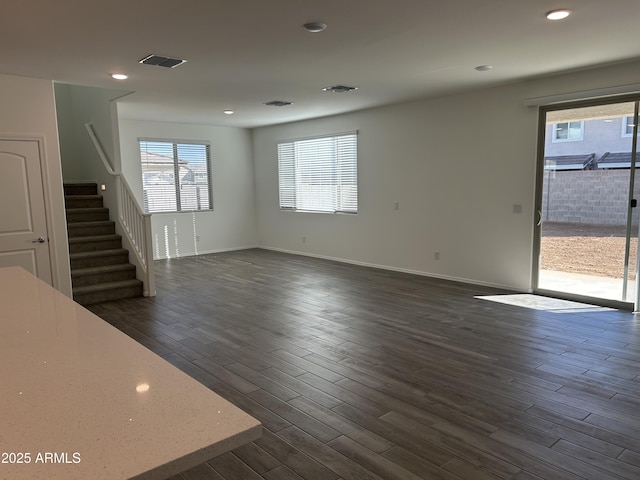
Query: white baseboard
396	269
207	252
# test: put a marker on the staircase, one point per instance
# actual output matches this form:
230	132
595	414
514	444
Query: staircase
100	268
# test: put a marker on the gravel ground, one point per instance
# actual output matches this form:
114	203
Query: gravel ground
588	249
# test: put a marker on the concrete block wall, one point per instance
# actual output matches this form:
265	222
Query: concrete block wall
597	197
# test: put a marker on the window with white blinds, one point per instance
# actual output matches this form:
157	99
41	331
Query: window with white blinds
176	177
319	174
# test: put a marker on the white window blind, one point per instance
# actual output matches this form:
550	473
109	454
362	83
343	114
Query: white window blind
319	174
176	177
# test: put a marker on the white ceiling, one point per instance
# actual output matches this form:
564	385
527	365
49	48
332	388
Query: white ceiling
241	53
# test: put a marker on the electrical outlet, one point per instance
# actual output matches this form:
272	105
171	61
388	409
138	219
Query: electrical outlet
436	255
197	238
304	239
396	205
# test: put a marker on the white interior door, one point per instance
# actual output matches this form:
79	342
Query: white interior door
24	240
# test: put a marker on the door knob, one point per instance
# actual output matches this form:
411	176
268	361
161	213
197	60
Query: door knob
39	240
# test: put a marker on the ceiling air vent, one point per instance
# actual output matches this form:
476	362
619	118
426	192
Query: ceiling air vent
162	61
277	103
339	89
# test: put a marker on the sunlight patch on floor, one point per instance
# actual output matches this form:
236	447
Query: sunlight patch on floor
537	302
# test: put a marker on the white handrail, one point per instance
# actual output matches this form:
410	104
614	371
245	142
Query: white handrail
134	222
98	145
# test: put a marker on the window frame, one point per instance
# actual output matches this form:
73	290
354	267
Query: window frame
176	173
628	120
288	171
554	132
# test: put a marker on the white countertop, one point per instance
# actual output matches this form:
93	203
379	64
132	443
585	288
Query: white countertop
87	402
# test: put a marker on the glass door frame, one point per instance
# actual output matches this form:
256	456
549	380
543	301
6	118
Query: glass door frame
537	226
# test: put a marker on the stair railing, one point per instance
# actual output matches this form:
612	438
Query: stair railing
134	222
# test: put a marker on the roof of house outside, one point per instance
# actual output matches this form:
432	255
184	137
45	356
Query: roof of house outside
583	161
615	160
150	158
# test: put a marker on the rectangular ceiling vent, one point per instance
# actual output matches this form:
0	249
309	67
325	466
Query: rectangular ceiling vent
161	61
277	103
339	89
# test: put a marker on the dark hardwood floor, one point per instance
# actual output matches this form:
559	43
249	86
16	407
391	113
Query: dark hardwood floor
358	373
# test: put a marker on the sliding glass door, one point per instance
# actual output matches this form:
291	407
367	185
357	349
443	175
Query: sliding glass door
587	225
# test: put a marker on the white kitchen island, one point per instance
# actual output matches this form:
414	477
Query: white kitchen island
81	400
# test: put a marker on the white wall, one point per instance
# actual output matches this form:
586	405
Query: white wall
28	110
77	105
457	165
232	223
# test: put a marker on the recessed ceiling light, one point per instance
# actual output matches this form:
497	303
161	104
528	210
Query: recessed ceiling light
483	68
228	112
339	89
314	27
558	14
119	76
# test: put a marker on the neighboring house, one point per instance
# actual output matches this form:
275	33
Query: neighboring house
159	183
589	144
587	166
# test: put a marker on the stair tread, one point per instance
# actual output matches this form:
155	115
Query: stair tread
81	184
87	209
98	253
91	223
90	228
94	238
99	287
102	269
